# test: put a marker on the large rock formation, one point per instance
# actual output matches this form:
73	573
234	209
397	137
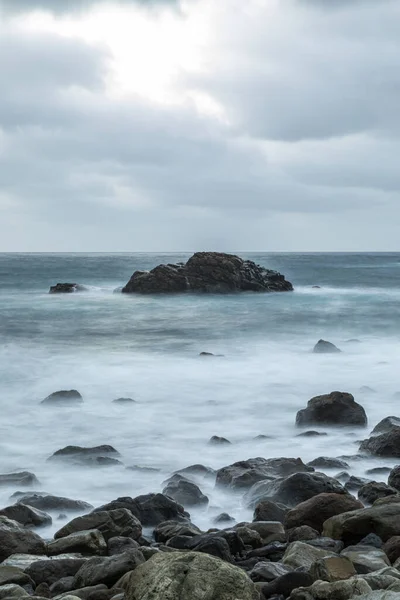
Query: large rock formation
336	408
212	272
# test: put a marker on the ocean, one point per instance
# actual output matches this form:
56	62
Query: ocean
108	345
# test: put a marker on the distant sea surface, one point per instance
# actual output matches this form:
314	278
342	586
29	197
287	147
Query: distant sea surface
108	345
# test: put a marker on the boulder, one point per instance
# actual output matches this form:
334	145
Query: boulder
51	570
210	272
382	579
303	533
13	590
387	425
282	586
324	347
110	523
354	483
119	545
302	555
311	434
273	551
378	471
23	478
169	529
293	489
244	474
332	568
63	397
380	595
197	471
266	510
324	462
185	492
392	548
366	559
49	502
270	531
223	518
21	561
216	440
107	570
86	542
26	515
316	510
336	408
150	509
14	575
14	538
374	490
337	590
394	478
268	571
351	527
98	455
384	444
93	592
188	576
249	537
66	288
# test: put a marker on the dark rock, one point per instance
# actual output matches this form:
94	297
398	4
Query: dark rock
394	478
119	522
43	590
303	533
316	510
211	272
206	354
84	542
343	476
14	575
15	539
355	483
107	570
49	502
324	462
63	397
311	433
124	401
26	515
351	527
143	469
196	471
293	489
66	288
378	471
366	559
273	551
268	571
51	570
63	585
385	444
392	548
119	545
169	529
244	474
215	440
216	546
77	455
386	425
23	478
372	540
223	518
370	492
324	347
266	510
150	509
232	538
186	493
285	584
336	408
328	544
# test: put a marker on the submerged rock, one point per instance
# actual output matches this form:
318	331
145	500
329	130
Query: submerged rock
374	490
49	502
185	492
124	401
385	444
324	347
336	408
67	288
216	440
94	456
66	397
210	272
23	478
386	425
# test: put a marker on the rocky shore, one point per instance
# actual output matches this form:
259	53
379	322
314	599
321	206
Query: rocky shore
313	536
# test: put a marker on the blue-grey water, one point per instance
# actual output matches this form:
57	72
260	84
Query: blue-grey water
108	345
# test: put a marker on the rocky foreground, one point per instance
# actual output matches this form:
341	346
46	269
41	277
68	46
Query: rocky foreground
310	538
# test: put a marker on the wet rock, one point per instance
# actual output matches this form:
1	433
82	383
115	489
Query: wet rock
66	288
351	527
270	531
303	533
188	576
86	593
86	542
392	548
302	555
51	570
215	440
249	537
378	471
273	551
222	519
12	590
324	462
244	474
336	408
394	478
185	493
324	347
168	529
293	489
119	522
107	570
26	515
96	456
21	561
366	559
14	538
370	492
63	397
23	478
150	509
325	543
384	444
323	590
386	425
285	584
124	401
14	575
333	568
316	510
49	502
208	272
355	483
266	510
311	433
119	545
268	571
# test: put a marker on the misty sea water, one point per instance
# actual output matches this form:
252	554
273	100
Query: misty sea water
107	345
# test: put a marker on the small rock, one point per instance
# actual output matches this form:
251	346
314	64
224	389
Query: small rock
268	571
223	518
215	440
185	492
66	288
378	471
63	397
350	588
370	492
355	483
392	548
324	347
283	586
324	462
169	529
51	570
23	478
311	433
394	478
266	510
300	554
303	533
124	401
333	568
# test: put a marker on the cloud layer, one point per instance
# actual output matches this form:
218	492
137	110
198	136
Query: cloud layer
265	126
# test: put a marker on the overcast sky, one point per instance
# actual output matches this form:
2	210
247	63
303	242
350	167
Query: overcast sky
162	125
